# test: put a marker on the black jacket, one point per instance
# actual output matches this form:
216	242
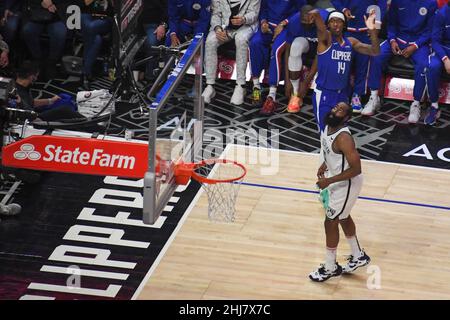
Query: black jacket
155	11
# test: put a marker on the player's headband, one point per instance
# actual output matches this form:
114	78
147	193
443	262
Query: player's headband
336	14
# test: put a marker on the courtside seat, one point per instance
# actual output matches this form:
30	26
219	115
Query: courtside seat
227	50
400	67
403	68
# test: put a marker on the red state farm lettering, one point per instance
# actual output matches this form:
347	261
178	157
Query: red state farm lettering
97	158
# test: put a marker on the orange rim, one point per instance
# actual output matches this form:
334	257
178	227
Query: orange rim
193	166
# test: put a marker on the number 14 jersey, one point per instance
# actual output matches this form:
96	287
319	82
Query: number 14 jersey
334	66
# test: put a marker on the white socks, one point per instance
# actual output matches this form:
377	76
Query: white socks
295	84
330	259
354	246
374	94
256	83
273	92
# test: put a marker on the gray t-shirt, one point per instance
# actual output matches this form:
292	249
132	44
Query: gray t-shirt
27	100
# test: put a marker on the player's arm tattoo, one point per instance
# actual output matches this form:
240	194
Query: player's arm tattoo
372	49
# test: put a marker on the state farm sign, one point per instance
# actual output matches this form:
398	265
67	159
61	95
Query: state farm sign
78	155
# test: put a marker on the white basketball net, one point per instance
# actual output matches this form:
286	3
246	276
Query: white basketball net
222	195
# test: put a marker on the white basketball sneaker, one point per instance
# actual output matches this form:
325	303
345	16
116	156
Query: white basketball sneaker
371	106
414	112
355	263
209	93
238	95
322	274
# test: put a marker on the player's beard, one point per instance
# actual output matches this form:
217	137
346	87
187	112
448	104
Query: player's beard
332	120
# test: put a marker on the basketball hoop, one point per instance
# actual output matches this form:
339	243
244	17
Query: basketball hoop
222	189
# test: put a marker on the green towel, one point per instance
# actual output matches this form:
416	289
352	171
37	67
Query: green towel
324	197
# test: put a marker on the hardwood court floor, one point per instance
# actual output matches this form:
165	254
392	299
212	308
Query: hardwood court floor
278	238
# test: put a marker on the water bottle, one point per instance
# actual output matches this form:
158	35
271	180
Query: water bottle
128	134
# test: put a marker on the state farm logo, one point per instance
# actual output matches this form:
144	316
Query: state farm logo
27	152
94	158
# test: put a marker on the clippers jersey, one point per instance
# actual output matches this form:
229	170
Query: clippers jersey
334	66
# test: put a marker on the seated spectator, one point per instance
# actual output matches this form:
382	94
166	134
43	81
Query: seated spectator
46	15
268	43
409	35
440	40
154	21
187	18
26	76
4	53
96	21
230	21
10	19
354	11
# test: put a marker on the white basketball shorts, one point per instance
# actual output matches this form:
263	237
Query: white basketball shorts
343	196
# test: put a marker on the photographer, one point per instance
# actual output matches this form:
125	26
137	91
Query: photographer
26	76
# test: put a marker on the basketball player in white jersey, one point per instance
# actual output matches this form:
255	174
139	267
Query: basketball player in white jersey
340	173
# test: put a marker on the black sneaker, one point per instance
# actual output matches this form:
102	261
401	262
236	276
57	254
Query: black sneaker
355	263
321	274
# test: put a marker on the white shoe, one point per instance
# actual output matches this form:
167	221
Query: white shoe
372	106
238	95
355	263
322	274
10	209
209	93
414	113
